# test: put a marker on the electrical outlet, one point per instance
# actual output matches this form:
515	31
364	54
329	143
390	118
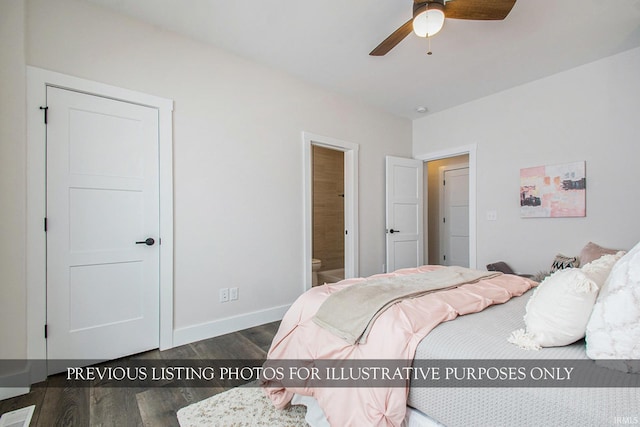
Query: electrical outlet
224	294
233	294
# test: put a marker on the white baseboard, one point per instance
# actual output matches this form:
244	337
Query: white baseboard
181	336
216	328
17	382
9	392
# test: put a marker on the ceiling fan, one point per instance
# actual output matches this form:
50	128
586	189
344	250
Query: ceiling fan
429	15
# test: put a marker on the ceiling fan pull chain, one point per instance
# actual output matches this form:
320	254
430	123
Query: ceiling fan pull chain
429	50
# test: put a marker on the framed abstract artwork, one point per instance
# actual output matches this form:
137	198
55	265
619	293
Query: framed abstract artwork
553	191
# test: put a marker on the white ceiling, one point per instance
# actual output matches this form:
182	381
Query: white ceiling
327	42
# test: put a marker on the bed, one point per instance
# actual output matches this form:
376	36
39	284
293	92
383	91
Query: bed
483	336
492	308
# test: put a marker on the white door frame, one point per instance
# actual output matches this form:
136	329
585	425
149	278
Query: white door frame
37	81
457	151
351	268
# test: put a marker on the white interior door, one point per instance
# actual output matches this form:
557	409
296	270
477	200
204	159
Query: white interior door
102	198
455	223
404	237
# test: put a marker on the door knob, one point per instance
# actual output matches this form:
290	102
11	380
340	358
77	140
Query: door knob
394	231
148	242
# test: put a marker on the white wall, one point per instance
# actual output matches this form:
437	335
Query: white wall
237	153
13	304
588	113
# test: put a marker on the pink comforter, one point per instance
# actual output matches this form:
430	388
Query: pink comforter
395	335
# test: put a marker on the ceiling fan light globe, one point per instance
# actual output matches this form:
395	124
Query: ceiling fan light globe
428	23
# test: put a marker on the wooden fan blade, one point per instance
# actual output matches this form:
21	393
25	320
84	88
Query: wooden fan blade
396	37
482	10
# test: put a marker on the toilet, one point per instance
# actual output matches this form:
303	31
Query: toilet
315	267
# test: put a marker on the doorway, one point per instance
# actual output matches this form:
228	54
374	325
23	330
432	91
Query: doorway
444	223
328	215
347	153
464	155
38	80
454	215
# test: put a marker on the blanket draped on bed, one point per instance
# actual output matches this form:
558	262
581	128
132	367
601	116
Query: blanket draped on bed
351	312
394	336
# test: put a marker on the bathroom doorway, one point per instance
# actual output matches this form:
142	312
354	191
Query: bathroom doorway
331	200
328	215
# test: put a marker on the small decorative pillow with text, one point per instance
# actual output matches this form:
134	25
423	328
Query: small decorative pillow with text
561	262
613	331
558	311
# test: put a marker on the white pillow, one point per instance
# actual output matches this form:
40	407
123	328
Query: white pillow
598	270
613	331
558	311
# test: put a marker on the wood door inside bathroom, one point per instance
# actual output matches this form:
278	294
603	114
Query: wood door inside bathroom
328	214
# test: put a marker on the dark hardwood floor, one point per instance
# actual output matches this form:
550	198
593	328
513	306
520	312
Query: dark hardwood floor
156	406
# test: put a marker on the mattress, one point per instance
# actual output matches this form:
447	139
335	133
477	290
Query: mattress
484	335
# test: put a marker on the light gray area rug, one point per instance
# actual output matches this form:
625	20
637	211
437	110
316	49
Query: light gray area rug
240	407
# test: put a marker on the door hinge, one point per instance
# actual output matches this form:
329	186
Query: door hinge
445	257
346	232
444	220
45	224
45	331
45	109
444	182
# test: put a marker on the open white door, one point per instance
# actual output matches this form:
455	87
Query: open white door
404	199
